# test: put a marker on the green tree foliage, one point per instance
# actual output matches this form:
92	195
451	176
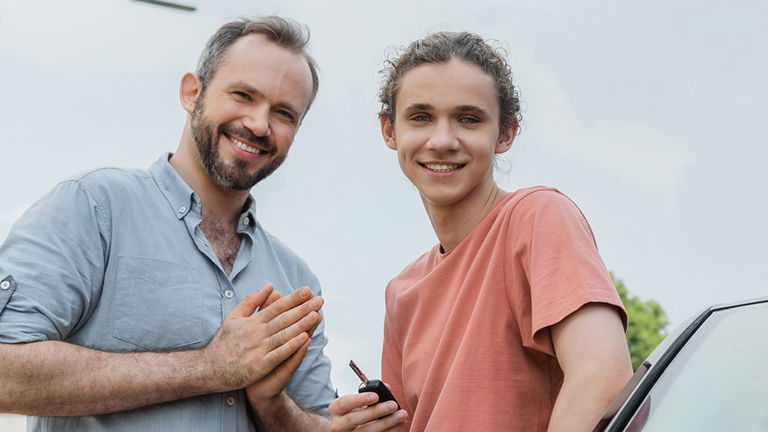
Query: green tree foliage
647	324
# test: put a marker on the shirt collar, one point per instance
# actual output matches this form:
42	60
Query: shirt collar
182	198
247	222
178	193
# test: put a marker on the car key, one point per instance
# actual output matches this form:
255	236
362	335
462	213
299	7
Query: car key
375	386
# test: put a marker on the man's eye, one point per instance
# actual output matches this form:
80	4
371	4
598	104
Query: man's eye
468	120
285	114
420	118
242	95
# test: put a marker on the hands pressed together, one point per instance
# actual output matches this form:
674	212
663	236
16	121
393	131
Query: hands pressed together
262	341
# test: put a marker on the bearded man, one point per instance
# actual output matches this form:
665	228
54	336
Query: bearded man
130	300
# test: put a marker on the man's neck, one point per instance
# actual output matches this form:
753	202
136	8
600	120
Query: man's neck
219	204
221	207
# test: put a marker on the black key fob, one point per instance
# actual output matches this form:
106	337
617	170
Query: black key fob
375	386
379	388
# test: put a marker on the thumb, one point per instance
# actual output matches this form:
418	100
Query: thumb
252	301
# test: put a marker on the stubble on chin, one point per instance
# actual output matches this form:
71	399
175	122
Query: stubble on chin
228	175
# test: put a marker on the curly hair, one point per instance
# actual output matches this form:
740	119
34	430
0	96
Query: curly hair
442	47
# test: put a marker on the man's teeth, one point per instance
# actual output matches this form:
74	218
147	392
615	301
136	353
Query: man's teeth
247	148
442	167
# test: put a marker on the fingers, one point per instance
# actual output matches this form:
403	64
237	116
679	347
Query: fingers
248	305
304	325
351	402
304	313
390	423
287	349
271	299
353	411
286	303
311	331
286	369
273	383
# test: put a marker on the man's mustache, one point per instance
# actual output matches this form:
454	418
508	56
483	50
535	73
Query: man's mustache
263	142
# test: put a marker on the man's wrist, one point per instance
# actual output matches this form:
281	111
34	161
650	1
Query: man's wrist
268	404
202	372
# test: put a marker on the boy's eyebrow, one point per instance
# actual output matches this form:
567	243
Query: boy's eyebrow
471	109
419	107
461	108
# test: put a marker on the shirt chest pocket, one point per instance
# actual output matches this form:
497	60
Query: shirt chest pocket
157	304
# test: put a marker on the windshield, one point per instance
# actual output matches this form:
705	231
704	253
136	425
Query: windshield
718	381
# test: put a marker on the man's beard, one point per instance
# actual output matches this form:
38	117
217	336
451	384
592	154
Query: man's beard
235	175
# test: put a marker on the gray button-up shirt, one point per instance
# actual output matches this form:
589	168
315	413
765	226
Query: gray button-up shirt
114	260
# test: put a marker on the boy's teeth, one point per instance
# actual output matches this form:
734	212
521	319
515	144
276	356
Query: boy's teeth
442	167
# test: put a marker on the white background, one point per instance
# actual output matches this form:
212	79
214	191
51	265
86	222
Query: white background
650	115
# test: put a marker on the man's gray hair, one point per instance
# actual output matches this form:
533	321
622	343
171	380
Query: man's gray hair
283	31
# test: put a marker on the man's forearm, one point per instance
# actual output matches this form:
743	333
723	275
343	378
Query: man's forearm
282	414
61	379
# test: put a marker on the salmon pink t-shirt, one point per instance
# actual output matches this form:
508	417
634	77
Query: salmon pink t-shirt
467	344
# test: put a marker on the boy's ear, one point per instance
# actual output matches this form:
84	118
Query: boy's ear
189	91
388	131
506	139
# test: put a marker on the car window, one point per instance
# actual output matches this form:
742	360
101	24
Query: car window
718	381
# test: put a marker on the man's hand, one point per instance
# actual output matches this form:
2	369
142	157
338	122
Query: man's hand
272	384
250	345
360	412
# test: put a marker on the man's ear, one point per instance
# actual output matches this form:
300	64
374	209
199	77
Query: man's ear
189	91
388	131
506	139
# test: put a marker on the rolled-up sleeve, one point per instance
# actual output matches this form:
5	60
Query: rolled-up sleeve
311	385
55	255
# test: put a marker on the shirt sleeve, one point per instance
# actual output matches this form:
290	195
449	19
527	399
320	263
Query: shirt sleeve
562	265
55	254
392	358
311	384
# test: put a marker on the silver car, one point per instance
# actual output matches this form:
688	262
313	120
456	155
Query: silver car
710	374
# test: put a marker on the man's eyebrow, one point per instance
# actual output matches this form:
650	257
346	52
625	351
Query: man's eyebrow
245	86
253	90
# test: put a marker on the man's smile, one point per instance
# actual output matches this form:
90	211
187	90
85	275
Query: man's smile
246	147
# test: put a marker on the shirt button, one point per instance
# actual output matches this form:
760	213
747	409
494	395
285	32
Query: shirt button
182	209
4	285
230	401
246	221
228	294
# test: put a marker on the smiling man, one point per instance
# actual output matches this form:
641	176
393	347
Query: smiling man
130	300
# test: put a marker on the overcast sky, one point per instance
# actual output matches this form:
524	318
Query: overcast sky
650	115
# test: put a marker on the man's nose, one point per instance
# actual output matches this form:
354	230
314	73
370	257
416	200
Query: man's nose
257	121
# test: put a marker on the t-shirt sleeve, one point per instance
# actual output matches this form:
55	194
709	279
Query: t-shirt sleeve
54	256
392	357
563	269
